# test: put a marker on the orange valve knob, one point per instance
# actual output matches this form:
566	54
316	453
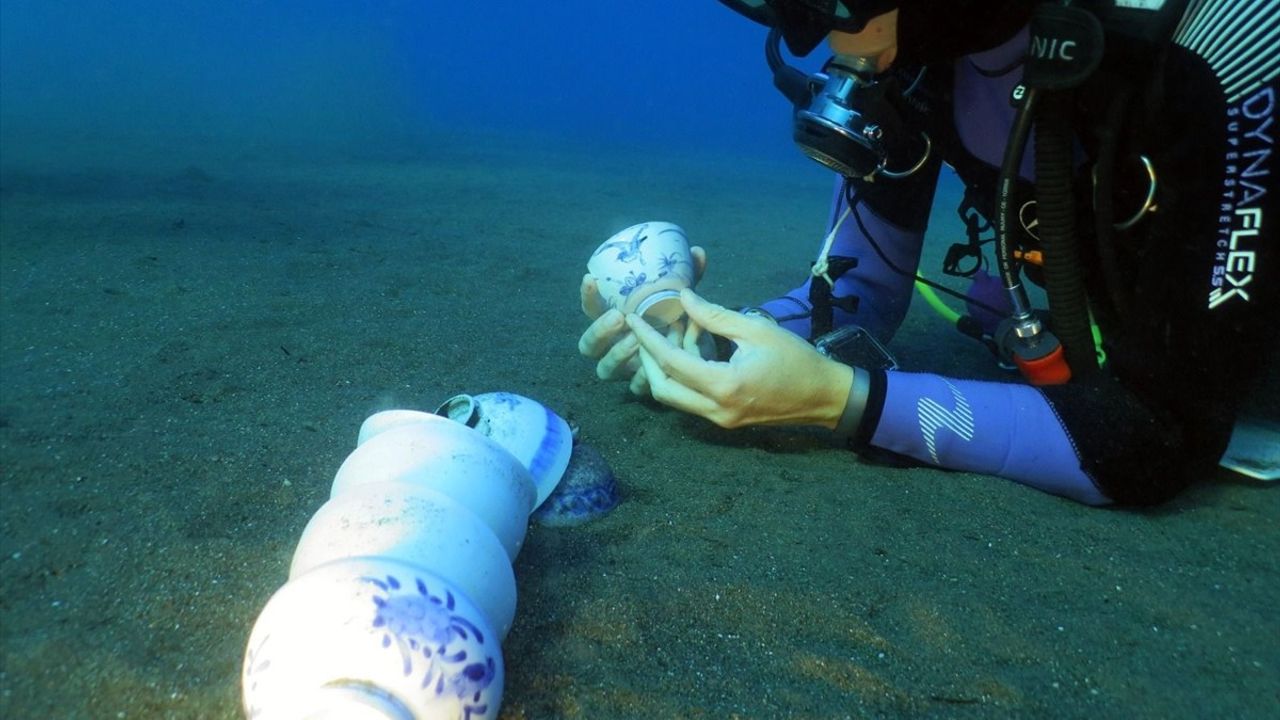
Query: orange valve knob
1048	369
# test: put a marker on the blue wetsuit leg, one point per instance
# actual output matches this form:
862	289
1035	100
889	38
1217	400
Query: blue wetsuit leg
884	295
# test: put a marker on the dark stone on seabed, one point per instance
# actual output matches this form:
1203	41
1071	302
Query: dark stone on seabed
587	491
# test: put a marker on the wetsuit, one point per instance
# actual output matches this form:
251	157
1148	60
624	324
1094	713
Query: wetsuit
1200	279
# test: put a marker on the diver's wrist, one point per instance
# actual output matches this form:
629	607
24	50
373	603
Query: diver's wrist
855	404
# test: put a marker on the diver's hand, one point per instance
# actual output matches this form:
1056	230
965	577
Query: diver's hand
610	343
621	361
773	378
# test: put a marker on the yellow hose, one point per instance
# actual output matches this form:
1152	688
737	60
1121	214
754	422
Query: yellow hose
931	296
935	302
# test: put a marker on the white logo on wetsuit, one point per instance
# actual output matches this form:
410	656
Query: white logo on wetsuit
934	416
1240	259
1250	143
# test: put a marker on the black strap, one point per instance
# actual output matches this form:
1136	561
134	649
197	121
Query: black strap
824	300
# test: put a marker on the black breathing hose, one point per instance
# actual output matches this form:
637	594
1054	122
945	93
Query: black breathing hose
1006	211
1056	212
793	82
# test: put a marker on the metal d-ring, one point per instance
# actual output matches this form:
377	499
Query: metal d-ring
898	175
1148	205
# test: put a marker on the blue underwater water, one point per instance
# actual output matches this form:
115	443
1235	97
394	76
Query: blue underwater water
367	74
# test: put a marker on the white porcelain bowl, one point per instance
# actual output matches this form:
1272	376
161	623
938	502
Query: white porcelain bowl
540	439
372	638
437	453
385	420
419	526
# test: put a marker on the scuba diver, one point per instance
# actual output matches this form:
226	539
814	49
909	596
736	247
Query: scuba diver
1117	153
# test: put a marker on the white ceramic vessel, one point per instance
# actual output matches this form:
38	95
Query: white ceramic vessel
372	639
437	453
401	588
539	438
387	419
416	525
642	269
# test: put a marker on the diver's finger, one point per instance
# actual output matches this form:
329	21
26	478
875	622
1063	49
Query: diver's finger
671	392
602	334
699	256
691	338
639	385
675	333
718	319
613	364
593	304
688	369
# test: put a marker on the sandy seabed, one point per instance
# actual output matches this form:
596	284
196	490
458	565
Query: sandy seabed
189	341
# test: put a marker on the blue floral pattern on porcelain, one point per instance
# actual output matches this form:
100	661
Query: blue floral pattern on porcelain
630	264
433	640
